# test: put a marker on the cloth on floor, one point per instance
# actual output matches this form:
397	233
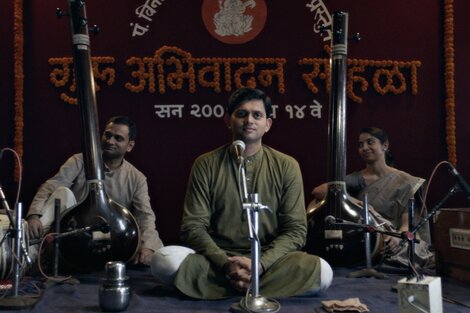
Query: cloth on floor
351	304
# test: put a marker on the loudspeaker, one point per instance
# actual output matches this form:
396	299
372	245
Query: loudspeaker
452	241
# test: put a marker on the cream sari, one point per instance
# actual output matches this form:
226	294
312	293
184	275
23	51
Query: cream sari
389	196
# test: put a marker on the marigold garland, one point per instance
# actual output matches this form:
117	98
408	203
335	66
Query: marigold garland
176	79
385	77
59	77
18	38
449	80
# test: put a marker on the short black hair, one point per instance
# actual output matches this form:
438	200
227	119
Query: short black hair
125	120
246	94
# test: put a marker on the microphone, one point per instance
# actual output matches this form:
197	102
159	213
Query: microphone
26	254
330	219
4	201
239	147
103	227
462	183
7	209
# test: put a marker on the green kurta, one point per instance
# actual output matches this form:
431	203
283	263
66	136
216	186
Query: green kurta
215	225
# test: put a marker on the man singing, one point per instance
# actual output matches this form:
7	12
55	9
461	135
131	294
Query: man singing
217	263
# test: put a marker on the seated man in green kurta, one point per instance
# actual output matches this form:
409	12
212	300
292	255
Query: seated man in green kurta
217	262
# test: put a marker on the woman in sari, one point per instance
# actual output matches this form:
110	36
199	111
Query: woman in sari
389	191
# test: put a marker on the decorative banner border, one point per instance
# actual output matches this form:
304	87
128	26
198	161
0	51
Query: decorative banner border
18	38
449	80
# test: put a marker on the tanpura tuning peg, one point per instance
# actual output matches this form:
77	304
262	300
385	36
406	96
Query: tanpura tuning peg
324	28
95	29
59	13
83	21
356	37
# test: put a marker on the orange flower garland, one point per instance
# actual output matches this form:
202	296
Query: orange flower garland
176	79
384	79
18	38
449	80
59	77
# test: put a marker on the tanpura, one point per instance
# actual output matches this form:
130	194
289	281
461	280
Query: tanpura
341	244
114	235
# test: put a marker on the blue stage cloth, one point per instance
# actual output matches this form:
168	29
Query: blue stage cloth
148	296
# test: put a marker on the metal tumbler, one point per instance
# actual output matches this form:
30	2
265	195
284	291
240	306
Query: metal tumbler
115	292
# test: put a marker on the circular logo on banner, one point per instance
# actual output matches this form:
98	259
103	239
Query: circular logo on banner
234	21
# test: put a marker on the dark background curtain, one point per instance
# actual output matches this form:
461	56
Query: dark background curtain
402	31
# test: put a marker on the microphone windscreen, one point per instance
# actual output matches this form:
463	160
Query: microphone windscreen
239	143
330	220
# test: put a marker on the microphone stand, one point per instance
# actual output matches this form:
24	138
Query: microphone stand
411	243
57	235
411	234
374	229
368	271
253	301
55	266
452	191
406	236
55	278
6	207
